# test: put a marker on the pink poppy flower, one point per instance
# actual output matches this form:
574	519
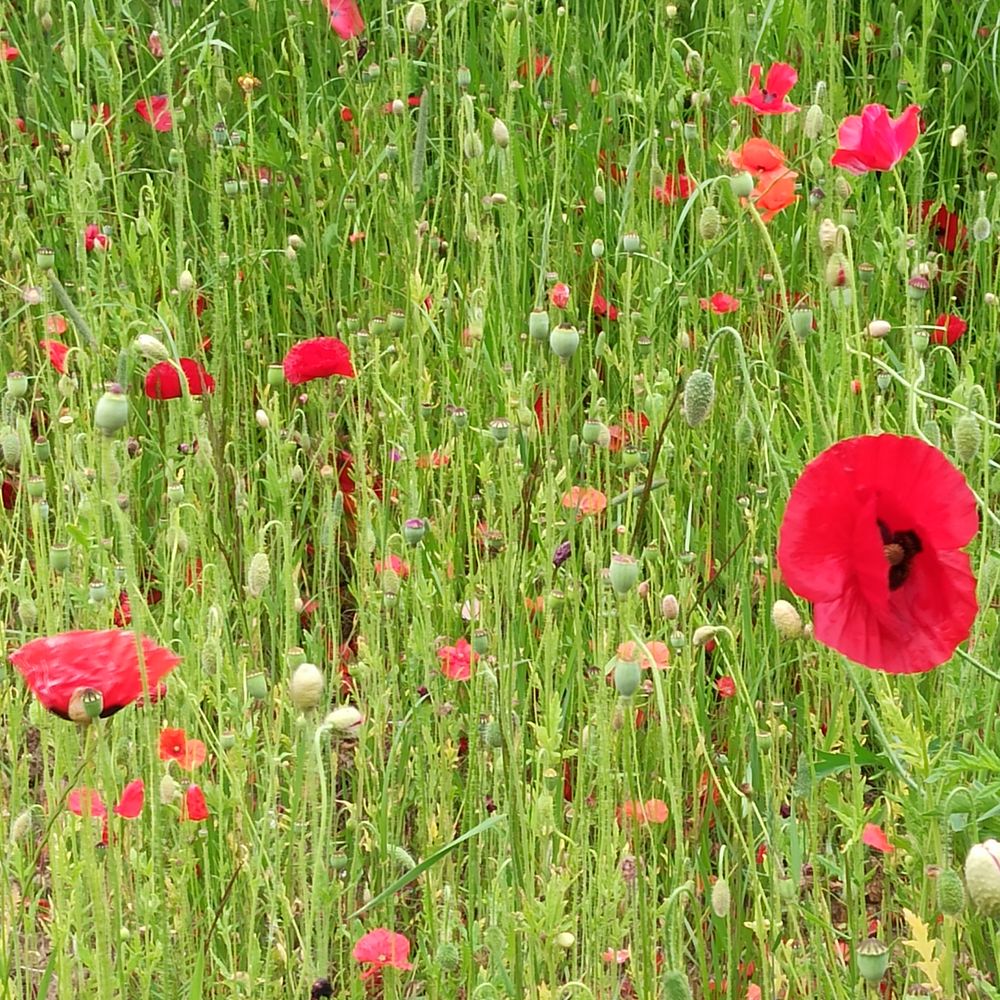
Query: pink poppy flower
720	303
130	804
770	100
156	111
380	948
86	802
874	141
345	18
94	239
456	661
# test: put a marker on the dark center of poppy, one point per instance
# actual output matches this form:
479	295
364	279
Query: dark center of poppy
899	547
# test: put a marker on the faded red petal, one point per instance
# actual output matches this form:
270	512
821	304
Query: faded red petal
86	802
163	381
130	804
320	357
156	111
111	661
874	836
57	352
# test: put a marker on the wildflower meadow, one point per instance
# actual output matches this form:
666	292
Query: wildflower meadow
499	499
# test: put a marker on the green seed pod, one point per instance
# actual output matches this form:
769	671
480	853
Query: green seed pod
257	686
258	574
699	394
414	530
950	893
17	385
873	959
592	431
59	558
43	450
802	322
111	411
967	437
628	677
538	325
624	573
742	184
563	341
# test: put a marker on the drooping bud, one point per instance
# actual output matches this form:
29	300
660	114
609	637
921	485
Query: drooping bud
982	877
786	620
967	437
150	347
721	898
345	720
416	18
699	394
670	607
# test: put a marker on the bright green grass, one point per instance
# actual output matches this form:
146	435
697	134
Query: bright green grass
307	831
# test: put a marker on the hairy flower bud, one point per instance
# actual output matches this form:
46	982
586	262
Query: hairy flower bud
827	236
786	620
967	437
721	898
982	877
306	686
950	893
813	127
699	394
258	574
710	223
501	134
416	18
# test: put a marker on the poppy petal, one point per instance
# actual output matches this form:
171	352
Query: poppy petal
320	357
195	807
345	18
86	802
130	804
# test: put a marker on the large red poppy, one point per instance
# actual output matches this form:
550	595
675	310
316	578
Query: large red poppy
111	662
320	357
871	535
163	381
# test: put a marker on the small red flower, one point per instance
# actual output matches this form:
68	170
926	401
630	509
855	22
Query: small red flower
541	64
651	811
874	141
130	804
111	662
720	303
163	381
57	352
944	225
874	836
156	111
758	156
726	687
559	295
395	564
86	802
675	187
345	18
770	100
871	535
600	306
947	329
195	807
8	52
320	357
774	191
457	660
380	948
175	746
56	324
94	239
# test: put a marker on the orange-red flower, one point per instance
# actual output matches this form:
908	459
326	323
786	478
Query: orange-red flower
650	811
659	651
774	191
175	746
585	500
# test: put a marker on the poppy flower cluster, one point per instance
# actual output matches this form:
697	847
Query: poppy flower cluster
874	141
872	536
117	665
774	189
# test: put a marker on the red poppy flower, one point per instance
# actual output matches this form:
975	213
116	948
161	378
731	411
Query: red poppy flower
774	191
345	18
770	99
163	381
457	660
195	807
720	303
599	305
395	564
8	52
130	804
871	535
175	746
56	324
542	65
320	357
156	111
874	141
57	351
585	500
948	329
726	687
653	811
86	802
112	662
94	238
944	224
874	836
379	948
758	156
675	187
559	295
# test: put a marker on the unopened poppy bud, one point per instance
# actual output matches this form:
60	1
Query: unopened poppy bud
416	18
957	136
21	826
967	437
306	686
150	347
624	573
703	635
538	325
27	613
599	195
258	574
813	127
836	273
169	790
564	340
670	608
17	385
950	893
842	188
710	223
699	394
597	249
111	411
826	234
982	877
991	299
676	986
262	419
743	431
628	677
10	447
185	281
472	146
564	940
447	956
414	530
501	134
786	620
741	184
721	898
873	959
981	229
931	430
879	328
802	322
345	719
257	686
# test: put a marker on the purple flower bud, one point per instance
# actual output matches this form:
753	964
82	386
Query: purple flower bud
561	554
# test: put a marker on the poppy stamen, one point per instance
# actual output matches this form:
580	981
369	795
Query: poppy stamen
899	547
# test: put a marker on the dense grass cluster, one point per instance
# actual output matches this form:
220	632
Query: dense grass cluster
561	736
